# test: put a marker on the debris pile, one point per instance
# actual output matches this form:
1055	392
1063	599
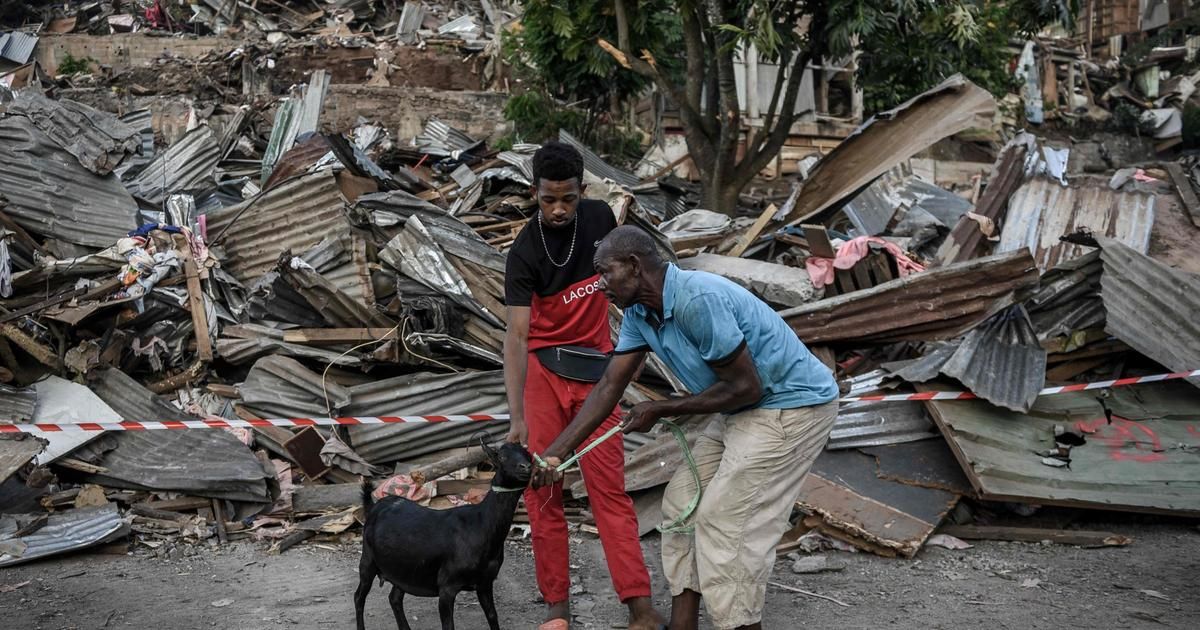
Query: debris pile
252	247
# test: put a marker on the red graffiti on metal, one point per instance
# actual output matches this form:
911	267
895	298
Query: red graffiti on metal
1121	433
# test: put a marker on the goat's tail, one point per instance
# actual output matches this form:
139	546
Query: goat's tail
367	499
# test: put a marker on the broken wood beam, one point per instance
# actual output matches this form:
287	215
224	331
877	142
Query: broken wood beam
1078	537
195	301
178	504
178	381
336	336
755	230
818	241
219	518
429	472
35	348
1186	192
142	509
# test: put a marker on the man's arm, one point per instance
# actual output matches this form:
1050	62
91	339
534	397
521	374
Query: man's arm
516	363
598	405
737	386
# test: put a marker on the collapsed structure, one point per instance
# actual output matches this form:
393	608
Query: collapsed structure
238	250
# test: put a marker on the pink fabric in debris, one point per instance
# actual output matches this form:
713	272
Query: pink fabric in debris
401	486
821	270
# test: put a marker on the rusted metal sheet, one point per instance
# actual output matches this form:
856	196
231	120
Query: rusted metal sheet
51	194
99	140
965	239
1042	210
891	137
336	306
1142	460
933	305
296	216
1153	308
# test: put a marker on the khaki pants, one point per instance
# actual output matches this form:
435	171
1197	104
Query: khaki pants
751	466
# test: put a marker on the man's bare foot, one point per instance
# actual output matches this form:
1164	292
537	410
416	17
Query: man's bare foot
642	615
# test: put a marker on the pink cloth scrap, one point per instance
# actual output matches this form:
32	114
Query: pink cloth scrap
821	270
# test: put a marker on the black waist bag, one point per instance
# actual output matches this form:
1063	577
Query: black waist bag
574	362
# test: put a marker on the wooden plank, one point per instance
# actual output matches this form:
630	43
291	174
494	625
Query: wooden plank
1071	369
337	336
1080	537
818	241
219	518
21	234
1186	193
751	235
44	355
195	301
862	277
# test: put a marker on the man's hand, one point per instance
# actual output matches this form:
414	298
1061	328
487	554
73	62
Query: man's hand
518	433
642	416
549	474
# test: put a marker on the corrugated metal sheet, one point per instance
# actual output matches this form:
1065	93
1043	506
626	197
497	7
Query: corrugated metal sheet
596	166
442	140
65	402
130	399
143	121
247	343
928	306
389	209
50	193
1153	308
872	210
891	137
336	306
1001	361
17	46
15	452
279	387
1068	298
17	403
1042	211
99	140
296	216
966	237
64	531
186	166
876	424
1143	460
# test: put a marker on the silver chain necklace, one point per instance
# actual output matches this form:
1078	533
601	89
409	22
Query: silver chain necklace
570	252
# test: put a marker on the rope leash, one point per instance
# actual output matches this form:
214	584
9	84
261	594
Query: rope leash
679	524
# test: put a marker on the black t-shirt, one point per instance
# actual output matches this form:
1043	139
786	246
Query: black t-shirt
566	306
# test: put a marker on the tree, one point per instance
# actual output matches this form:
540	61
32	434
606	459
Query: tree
567	81
791	33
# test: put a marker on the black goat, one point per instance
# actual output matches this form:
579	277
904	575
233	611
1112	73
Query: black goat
438	553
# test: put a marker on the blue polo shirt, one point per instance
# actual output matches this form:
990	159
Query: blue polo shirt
707	320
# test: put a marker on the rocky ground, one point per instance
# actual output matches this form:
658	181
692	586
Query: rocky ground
1149	584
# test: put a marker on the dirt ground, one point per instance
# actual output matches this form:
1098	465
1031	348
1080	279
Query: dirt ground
1149	584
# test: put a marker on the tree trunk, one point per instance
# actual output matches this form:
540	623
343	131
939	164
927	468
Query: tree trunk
719	196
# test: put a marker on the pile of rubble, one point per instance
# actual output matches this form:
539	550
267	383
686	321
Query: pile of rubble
248	263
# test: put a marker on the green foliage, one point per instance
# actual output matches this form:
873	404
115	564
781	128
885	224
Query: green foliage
909	46
73	65
569	82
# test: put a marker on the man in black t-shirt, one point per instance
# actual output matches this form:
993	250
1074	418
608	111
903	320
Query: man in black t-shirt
555	348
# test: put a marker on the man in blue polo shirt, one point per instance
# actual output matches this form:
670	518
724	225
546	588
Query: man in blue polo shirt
740	359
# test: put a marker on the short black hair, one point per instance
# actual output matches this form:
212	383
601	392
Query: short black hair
628	240
557	162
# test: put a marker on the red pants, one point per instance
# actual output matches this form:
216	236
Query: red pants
551	402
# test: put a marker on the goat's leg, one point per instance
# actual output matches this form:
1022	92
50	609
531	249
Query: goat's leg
366	574
446	596
488	603
396	599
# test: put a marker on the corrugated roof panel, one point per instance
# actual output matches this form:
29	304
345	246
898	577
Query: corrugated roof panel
185	166
1151	307
596	166
68	531
1142	460
50	193
17	46
296	216
1042	210
99	140
876	424
442	140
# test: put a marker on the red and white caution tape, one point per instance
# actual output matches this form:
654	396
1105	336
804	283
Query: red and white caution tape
221	423
1062	389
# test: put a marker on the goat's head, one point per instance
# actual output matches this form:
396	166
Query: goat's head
514	464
